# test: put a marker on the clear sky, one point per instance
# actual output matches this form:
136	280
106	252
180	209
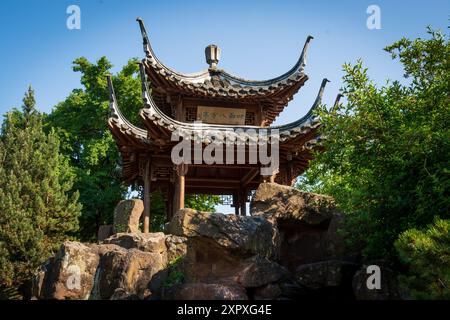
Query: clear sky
259	40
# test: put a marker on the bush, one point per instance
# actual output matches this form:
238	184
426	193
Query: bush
427	254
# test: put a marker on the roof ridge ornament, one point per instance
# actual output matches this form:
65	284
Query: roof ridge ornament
321	90
212	55
145	42
318	100
336	102
303	55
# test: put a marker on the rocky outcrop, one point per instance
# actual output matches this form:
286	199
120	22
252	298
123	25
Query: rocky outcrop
227	252
307	223
124	266
131	270
127	215
69	275
278	202
289	248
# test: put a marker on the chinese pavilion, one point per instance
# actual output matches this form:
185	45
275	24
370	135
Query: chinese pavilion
222	102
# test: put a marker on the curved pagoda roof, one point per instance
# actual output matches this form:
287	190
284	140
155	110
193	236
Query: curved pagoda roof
160	126
298	137
273	94
155	120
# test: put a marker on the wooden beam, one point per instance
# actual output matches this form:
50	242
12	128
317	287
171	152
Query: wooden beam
249	177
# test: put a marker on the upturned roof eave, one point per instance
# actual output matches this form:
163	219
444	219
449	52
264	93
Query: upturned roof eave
233	83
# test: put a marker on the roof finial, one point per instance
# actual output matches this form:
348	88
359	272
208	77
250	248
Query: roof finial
212	54
305	51
336	102
321	90
145	41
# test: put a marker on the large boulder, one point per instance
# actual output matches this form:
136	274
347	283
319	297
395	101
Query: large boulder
239	235
127	214
275	201
308	223
130	270
69	275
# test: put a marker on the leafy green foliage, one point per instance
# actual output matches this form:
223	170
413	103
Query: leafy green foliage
81	123
427	253
387	155
202	202
175	275
38	209
29	103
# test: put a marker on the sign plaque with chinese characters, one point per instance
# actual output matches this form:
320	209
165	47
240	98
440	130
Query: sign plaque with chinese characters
219	115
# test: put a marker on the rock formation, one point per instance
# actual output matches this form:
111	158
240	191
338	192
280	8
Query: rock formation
289	248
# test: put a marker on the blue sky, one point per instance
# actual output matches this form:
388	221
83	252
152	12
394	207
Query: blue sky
259	40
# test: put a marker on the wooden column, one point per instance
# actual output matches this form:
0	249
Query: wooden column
236	204
289	170
243	201
181	197
181	171
147	197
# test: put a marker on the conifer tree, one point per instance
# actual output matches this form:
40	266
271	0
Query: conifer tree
29	103
37	207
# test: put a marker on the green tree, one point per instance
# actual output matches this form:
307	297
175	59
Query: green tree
427	254
202	202
38	209
29	104
387	149
80	121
